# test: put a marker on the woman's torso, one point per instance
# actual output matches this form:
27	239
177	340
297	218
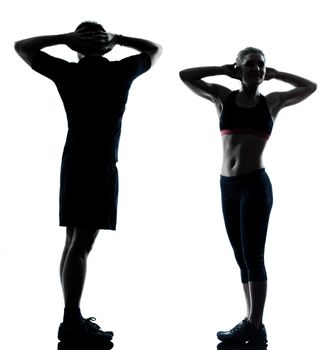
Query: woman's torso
245	131
242	154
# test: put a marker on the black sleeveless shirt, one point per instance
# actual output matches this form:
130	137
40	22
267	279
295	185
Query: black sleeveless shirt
241	120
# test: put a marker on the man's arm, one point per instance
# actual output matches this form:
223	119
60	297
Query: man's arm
152	49
28	48
77	41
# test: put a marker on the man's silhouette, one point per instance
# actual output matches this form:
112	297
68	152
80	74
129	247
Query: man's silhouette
94	92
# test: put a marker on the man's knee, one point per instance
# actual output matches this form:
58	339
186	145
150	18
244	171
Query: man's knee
69	236
83	239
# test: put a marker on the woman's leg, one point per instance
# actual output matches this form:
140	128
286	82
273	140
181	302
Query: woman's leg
247	296
231	214
255	206
255	212
258	294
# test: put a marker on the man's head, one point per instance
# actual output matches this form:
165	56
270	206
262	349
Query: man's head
89	26
93	27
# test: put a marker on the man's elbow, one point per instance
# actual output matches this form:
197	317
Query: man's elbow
155	53
17	47
313	87
24	53
20	48
156	50
183	75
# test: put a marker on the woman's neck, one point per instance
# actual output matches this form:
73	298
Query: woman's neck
249	92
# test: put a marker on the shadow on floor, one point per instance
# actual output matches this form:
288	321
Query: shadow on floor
84	346
249	346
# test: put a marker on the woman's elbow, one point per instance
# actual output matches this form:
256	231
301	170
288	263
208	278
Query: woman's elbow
159	49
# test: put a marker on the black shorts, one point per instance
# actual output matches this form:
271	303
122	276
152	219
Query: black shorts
88	194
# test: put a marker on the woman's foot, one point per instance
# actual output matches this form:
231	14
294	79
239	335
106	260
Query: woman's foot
244	332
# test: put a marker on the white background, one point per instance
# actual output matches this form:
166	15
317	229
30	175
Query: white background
166	279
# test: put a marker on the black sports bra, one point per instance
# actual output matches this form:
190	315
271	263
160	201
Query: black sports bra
241	120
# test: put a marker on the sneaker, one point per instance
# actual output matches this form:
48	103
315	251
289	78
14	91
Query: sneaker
244	332
85	330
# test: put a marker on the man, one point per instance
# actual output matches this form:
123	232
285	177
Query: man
94	92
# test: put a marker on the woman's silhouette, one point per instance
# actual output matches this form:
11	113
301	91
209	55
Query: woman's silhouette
246	122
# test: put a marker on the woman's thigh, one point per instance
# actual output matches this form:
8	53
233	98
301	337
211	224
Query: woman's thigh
255	211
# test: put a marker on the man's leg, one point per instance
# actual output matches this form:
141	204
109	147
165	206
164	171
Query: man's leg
69	234
73	268
73	271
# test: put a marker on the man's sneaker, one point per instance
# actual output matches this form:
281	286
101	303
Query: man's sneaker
244	332
86	330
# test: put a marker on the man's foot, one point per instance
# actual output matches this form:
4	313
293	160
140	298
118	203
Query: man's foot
244	332
83	331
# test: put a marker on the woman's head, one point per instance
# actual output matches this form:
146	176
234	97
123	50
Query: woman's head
251	63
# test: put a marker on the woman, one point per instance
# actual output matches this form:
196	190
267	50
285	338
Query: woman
246	121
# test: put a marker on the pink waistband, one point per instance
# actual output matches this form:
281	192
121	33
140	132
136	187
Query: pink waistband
245	131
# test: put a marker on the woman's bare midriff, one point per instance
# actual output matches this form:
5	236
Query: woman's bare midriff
242	154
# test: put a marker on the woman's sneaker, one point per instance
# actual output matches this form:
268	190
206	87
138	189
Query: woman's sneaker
244	332
86	330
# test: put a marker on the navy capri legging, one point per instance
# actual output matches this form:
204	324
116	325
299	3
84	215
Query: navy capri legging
246	205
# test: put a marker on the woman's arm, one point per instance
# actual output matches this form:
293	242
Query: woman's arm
192	77
152	49
77	41
278	100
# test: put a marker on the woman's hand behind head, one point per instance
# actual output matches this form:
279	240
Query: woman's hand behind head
270	73
232	71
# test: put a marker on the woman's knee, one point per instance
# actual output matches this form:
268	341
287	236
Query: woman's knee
256	267
242	265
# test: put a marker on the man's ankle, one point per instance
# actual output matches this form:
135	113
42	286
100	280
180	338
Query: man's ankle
72	315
